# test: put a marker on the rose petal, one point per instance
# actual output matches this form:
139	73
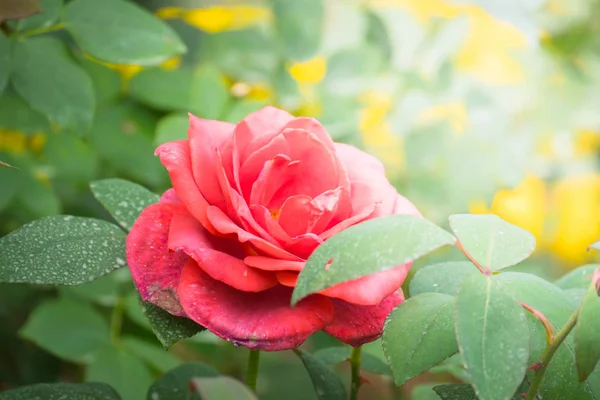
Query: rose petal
170	196
252	133
365	214
261	320
273	264
302	214
404	206
313	126
303	245
155	269
205	137
370	290
360	166
287	278
357	325
300	146
175	156
265	219
225	225
274	174
219	258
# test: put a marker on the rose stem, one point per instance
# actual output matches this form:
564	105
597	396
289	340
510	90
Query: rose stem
116	321
252	371
547	355
355	361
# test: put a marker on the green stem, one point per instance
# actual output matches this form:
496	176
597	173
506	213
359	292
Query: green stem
355	361
252	372
39	31
548	354
116	322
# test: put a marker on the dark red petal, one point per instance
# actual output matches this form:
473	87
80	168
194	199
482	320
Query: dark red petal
370	290
155	269
261	320
217	256
357	325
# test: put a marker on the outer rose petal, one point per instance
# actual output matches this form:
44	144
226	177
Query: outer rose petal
175	156
370	290
357	325
262	320
205	137
216	256
155	270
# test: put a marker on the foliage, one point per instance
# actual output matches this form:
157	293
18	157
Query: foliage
462	120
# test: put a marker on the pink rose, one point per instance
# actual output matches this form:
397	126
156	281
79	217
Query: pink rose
250	202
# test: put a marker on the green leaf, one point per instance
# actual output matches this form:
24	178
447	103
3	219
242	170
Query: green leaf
61	250
122	136
69	329
169	328
49	15
106	81
443	277
133	308
333	355
579	278
493	337
175	384
17	115
167	90
595	246
300	27
52	83
62	391
124	200
419	334
4	61
171	128
367	248
15	9
103	291
328	385
157	357
222	387
100	28
374	365
587	334
37	197
560	381
455	391
11	184
209	93
491	241
576	295
128	375
452	365
71	157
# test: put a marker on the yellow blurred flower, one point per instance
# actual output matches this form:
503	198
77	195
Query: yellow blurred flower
576	206
486	52
587	143
12	141
377	133
524	206
37	142
128	71
454	112
310	71
219	18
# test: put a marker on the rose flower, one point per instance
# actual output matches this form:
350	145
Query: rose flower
249	204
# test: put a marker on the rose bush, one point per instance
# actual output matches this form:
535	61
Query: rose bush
250	202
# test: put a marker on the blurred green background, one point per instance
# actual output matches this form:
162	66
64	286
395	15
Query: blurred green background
473	106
